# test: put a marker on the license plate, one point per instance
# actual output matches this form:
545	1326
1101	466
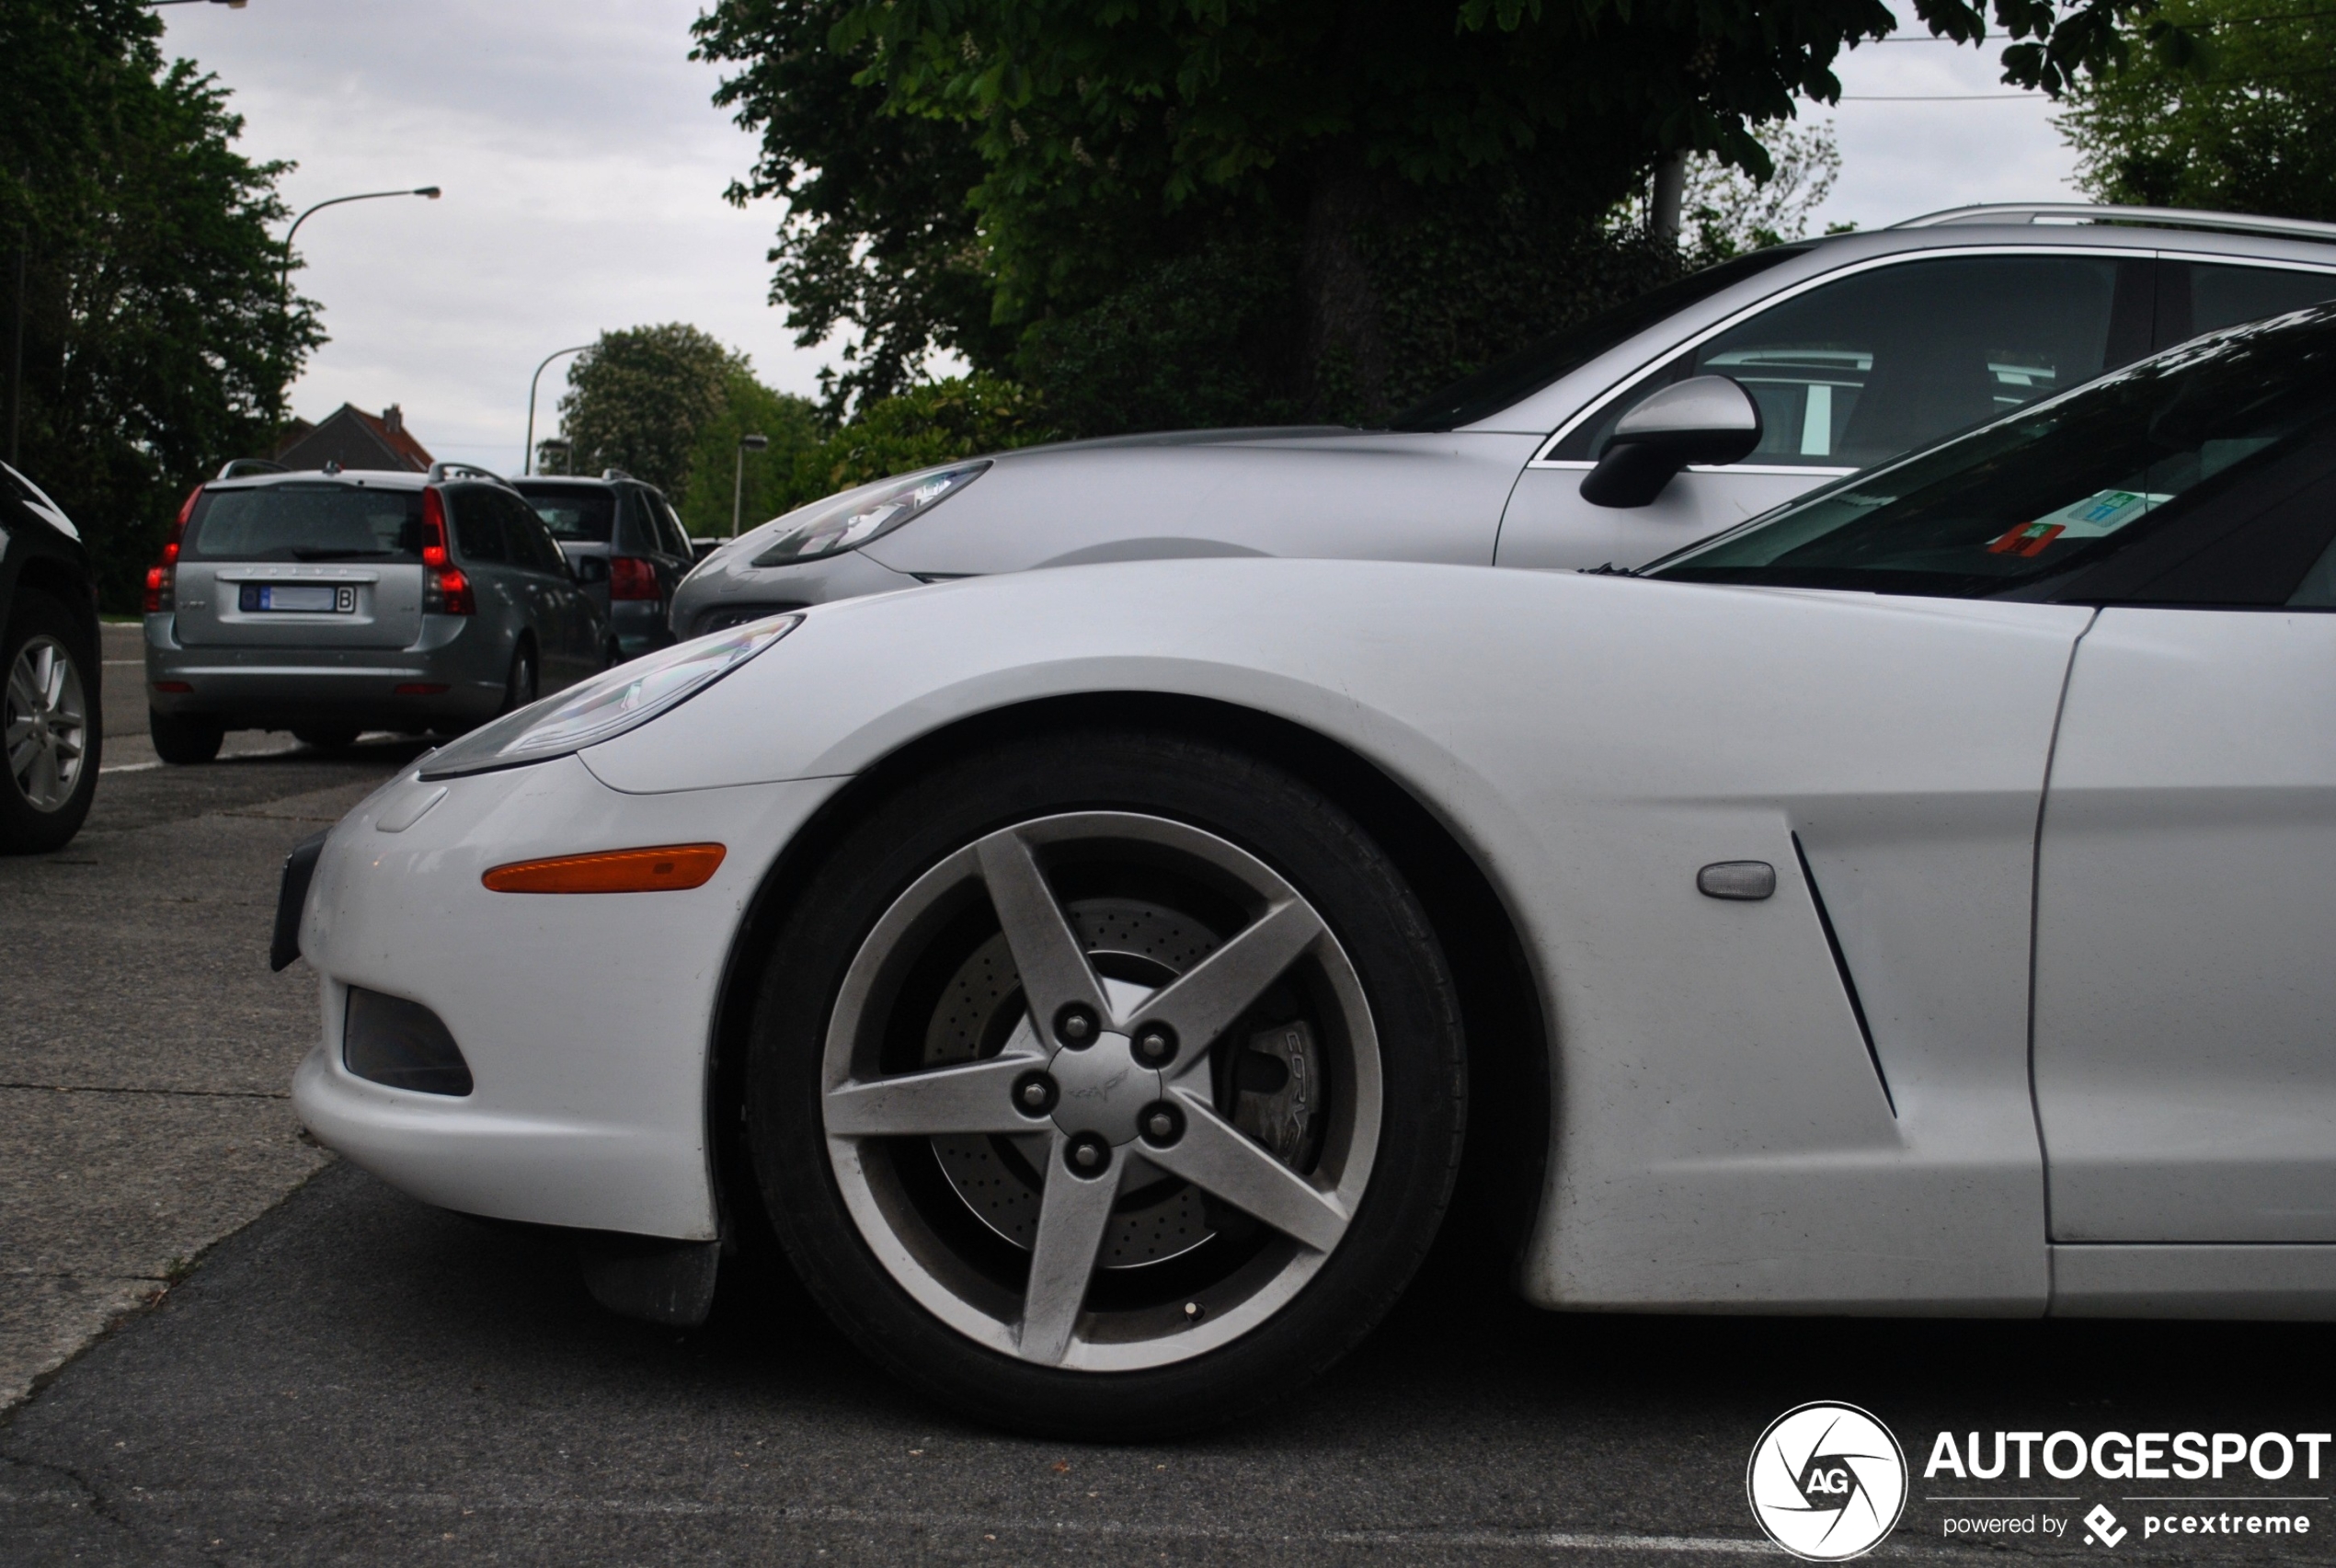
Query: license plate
313	599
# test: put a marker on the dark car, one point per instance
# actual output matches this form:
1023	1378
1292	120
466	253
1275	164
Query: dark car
628	548
328	603
49	652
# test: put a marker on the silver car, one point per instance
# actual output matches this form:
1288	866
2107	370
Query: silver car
1745	384
329	602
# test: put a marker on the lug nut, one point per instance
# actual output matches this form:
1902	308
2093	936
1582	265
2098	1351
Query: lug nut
1087	1155
1156	1044
1034	1094
1075	1026
1160	1125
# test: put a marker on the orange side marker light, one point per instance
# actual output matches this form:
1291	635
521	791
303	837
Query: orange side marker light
664	868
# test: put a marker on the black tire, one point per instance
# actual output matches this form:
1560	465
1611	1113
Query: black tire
40	623
1380	932
326	737
522	684
185	739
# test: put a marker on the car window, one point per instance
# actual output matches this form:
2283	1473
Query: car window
677	539
529	541
478	522
2206	475
1856	371
2225	296
573	513
306	523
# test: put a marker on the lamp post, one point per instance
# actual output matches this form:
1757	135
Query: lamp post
737	480
429	191
527	459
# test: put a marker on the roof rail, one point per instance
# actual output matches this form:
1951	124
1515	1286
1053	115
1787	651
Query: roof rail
2152	217
438	470
237	466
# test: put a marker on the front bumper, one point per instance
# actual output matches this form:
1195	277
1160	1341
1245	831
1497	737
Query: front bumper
279	687
586	1019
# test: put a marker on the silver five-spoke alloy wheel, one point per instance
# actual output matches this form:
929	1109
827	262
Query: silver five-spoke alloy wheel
1168	1105
47	718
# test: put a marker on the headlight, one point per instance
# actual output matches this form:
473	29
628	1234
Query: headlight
607	705
858	516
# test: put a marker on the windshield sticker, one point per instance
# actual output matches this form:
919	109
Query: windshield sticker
2096	517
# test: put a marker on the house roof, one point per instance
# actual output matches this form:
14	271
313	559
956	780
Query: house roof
355	438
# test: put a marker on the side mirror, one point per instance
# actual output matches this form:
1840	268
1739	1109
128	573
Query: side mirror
1706	418
591	568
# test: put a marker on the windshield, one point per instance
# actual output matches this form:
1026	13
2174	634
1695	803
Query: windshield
574	514
2009	509
1520	375
306	523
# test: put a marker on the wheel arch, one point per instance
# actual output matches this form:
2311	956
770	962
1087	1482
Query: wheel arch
1510	1110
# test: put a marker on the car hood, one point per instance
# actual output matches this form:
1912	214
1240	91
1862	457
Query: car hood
1297	491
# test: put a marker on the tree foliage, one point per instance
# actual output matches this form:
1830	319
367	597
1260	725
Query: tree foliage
1067	161
767	484
2227	105
929	423
638	399
1726	212
158	338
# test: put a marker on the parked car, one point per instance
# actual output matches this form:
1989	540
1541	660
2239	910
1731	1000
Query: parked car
628	548
1914	901
332	603
1857	347
51	723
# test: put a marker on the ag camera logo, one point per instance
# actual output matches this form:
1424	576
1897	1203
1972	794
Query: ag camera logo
1828	1481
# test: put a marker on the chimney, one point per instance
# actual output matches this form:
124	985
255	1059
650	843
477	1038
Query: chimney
392	419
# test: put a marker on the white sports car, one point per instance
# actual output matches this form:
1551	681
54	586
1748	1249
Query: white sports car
1918	900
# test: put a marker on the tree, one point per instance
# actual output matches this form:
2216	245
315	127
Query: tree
1728	213
2227	105
795	428
637	400
157	337
1353	137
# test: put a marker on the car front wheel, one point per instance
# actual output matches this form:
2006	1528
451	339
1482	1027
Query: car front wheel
1106	1086
48	711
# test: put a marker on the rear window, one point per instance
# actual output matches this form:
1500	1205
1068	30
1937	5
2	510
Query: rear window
306	523
575	515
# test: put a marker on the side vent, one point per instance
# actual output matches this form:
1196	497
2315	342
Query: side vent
1842	967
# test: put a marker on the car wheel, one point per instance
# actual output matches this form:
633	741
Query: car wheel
334	737
519	686
613	655
185	739
51	732
1107	1086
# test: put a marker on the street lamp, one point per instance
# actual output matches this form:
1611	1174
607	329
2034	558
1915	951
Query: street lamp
737	479
527	458
429	191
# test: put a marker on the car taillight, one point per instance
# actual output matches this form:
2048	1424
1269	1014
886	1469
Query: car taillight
447	591
162	577
629	577
433	528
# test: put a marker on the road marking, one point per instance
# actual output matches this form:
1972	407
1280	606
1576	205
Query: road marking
921	1520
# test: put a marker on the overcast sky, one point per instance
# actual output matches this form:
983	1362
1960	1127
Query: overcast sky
583	164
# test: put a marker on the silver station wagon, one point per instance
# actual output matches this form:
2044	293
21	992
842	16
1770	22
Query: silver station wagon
328	603
1686	411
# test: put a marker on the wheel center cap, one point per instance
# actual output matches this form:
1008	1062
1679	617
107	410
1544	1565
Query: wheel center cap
1103	1088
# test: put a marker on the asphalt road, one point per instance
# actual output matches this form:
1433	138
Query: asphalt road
353	1376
